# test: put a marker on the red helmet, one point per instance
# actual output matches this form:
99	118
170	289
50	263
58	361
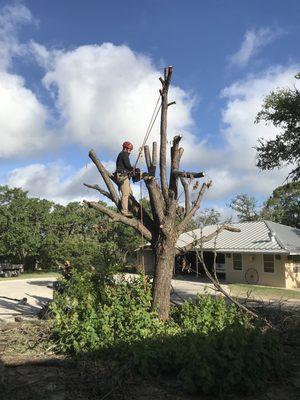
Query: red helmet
127	145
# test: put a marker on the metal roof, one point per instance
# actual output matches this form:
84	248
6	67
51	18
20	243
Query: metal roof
255	237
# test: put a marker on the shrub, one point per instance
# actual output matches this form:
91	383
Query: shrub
207	345
94	312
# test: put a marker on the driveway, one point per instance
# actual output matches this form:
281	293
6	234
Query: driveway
187	287
36	290
39	290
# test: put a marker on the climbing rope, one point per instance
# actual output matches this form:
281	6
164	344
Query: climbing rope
149	129
146	137
142	221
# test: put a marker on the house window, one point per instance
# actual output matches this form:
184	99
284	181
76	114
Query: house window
268	263
220	258
296	267
237	262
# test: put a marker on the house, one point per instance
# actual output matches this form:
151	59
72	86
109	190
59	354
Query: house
263	252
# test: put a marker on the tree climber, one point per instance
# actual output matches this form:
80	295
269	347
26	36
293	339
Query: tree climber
124	171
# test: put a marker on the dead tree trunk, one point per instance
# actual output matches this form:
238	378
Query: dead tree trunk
163	228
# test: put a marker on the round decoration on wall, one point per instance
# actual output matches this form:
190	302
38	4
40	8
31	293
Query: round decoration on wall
251	276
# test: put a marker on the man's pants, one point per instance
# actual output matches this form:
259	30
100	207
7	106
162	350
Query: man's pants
126	191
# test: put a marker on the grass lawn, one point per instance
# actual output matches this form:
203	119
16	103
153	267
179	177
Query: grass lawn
28	275
263	292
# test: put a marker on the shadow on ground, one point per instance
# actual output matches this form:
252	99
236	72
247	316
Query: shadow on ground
53	377
16	308
41	283
58	379
34	373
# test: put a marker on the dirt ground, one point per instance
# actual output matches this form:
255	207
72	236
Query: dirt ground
30	370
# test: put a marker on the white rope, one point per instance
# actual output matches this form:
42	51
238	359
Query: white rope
149	129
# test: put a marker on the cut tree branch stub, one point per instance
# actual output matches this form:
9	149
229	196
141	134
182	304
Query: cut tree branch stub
191	175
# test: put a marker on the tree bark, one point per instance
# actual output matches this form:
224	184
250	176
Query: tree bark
163	132
164	251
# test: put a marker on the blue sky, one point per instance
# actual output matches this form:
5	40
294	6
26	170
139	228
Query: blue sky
76	75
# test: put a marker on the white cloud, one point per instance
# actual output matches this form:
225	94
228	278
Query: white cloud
106	94
60	183
22	117
236	171
224	182
244	101
231	168
12	17
253	41
55	181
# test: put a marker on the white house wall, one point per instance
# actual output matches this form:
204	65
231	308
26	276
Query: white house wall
292	278
276	278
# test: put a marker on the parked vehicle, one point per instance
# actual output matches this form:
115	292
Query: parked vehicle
8	270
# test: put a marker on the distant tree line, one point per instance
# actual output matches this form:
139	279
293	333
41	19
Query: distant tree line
283	206
281	108
39	233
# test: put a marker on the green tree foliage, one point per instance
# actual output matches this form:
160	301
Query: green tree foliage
23	224
282	109
39	232
246	208
284	205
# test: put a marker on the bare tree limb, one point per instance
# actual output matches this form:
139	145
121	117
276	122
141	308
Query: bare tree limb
156	200
154	154
148	158
172	103
154	158
101	191
163	132
106	177
176	154
186	195
219	288
134	206
204	239
190	175
192	211
117	217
